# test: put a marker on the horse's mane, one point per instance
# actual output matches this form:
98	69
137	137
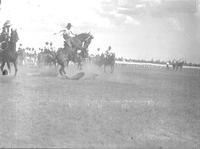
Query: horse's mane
82	36
14	36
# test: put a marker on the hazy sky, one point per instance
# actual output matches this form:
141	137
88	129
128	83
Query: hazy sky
144	29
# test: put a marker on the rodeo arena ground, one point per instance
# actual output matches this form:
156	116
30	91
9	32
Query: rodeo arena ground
69	98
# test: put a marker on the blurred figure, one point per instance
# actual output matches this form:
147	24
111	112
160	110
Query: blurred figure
108	52
98	52
167	65
51	46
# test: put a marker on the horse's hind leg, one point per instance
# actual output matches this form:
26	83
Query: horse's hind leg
8	65
60	70
15	65
2	66
63	70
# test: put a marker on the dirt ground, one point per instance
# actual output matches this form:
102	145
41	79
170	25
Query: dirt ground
136	107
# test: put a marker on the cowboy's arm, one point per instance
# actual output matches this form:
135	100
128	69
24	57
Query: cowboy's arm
72	33
59	32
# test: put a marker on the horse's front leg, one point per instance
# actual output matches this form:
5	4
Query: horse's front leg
15	65
64	65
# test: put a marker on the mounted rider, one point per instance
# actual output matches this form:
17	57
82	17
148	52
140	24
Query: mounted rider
70	38
68	35
5	34
7	26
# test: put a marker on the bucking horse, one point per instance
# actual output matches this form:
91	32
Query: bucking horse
67	54
9	54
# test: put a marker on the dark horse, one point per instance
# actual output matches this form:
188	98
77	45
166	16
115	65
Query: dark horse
9	54
105	60
47	58
177	65
67	54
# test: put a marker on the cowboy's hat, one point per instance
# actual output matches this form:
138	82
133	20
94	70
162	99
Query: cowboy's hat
69	25
7	23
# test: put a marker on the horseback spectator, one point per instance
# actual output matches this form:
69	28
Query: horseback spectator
46	47
98	52
4	38
108	52
7	26
5	34
51	46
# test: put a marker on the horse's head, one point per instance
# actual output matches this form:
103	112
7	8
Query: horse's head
83	36
88	41
14	36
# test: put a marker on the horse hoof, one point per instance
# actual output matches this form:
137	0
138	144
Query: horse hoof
5	72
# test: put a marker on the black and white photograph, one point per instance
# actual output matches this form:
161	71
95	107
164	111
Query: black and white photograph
100	74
